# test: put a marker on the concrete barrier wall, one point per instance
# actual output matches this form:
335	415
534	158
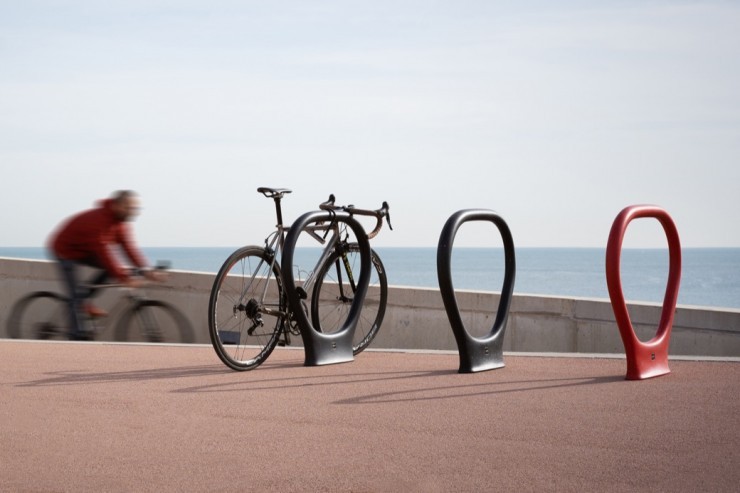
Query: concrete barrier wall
416	319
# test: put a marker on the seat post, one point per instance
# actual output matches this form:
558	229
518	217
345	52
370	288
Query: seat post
275	194
278	210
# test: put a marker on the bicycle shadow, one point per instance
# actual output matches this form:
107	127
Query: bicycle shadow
302	382
80	377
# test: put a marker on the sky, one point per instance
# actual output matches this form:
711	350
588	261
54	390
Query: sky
555	115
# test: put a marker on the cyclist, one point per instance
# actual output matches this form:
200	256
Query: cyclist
89	239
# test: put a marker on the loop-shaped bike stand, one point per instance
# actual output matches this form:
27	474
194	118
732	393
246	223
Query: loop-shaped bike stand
644	359
321	348
486	353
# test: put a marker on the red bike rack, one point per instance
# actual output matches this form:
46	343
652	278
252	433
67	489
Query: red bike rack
644	359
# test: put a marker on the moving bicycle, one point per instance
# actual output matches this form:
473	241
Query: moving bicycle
135	317
85	241
89	239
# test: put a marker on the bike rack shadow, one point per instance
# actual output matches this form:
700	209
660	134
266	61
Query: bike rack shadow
321	348
486	353
477	389
427	380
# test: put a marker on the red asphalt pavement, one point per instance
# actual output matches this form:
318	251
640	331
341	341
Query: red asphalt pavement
107	417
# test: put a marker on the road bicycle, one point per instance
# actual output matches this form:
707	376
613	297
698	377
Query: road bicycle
134	318
248	313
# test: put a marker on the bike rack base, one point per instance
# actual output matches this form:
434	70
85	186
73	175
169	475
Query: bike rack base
320	348
328	351
476	354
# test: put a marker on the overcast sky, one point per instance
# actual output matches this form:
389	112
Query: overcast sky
554	114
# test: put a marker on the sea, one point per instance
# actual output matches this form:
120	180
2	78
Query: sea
709	276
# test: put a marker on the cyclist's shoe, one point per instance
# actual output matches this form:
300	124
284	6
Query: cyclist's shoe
93	311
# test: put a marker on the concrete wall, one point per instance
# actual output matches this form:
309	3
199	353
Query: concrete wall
416	319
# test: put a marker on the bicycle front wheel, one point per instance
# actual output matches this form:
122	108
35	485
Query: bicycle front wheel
334	292
40	315
247	309
153	321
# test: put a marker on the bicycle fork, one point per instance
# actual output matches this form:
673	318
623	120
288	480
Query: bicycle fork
350	277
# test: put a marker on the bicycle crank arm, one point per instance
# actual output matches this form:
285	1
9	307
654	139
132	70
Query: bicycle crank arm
274	313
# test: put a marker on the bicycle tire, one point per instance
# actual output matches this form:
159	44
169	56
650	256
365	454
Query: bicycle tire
39	315
153	321
234	311
329	309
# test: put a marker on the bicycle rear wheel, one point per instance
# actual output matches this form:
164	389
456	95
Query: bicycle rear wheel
247	308
40	315
153	321
333	294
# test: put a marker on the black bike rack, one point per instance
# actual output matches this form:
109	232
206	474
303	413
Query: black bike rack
486	353
326	349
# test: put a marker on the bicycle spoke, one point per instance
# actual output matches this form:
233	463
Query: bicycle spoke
245	298
154	321
334	293
40	315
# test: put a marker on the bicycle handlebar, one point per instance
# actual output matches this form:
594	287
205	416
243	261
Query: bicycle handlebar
378	214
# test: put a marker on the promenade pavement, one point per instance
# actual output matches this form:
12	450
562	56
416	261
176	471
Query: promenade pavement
118	417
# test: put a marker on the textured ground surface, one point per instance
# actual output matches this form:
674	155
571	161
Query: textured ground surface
104	417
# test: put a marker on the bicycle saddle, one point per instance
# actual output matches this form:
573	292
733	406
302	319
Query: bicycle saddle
273	192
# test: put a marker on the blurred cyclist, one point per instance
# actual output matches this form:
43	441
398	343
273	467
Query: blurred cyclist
90	239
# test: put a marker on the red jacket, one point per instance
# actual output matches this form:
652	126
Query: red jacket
89	236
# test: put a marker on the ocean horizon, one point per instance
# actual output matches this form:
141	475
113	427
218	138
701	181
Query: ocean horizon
709	277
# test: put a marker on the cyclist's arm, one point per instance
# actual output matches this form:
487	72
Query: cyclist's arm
125	239
108	261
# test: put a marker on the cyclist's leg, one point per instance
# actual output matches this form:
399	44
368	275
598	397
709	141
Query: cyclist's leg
75	295
100	277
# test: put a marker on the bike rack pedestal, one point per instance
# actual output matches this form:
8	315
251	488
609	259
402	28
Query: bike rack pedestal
320	348
644	359
476	354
